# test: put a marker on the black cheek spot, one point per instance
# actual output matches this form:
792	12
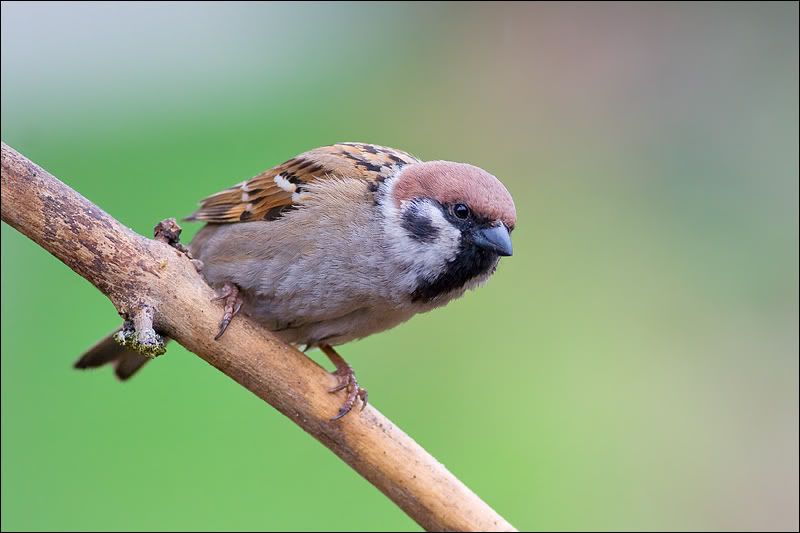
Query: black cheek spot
418	226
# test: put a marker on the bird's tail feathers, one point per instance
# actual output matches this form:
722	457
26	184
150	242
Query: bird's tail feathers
126	362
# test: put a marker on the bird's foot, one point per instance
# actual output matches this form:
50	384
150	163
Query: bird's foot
233	303
347	380
168	231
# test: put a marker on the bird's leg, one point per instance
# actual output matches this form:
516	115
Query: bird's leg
233	303
347	380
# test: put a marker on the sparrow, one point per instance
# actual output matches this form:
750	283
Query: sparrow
341	242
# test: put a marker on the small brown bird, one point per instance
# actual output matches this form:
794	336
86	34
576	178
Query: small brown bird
342	242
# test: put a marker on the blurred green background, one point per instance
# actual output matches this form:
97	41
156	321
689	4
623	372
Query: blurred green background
634	365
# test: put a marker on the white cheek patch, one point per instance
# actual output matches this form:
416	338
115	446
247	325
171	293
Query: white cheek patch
284	184
448	238
417	258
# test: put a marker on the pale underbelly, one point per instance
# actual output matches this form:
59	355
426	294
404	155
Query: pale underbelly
334	330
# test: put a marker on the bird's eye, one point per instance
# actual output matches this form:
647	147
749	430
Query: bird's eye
461	211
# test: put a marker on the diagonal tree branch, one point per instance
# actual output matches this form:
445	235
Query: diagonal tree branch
145	277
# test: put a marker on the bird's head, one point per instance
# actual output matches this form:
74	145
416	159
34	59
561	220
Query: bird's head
450	224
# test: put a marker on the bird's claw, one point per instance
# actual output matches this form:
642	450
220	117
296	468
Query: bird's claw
347	380
233	304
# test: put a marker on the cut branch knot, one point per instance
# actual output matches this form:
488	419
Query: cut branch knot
138	334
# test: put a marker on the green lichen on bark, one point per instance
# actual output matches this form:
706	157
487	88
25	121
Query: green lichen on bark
147	342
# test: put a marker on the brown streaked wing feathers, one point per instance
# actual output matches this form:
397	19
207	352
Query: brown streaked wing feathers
261	198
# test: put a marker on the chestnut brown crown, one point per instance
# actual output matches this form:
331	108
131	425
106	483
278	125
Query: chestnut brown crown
451	183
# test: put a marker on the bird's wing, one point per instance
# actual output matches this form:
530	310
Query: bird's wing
271	193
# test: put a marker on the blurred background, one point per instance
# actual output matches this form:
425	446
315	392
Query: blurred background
634	365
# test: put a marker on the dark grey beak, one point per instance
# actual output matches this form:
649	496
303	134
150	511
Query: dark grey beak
495	238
